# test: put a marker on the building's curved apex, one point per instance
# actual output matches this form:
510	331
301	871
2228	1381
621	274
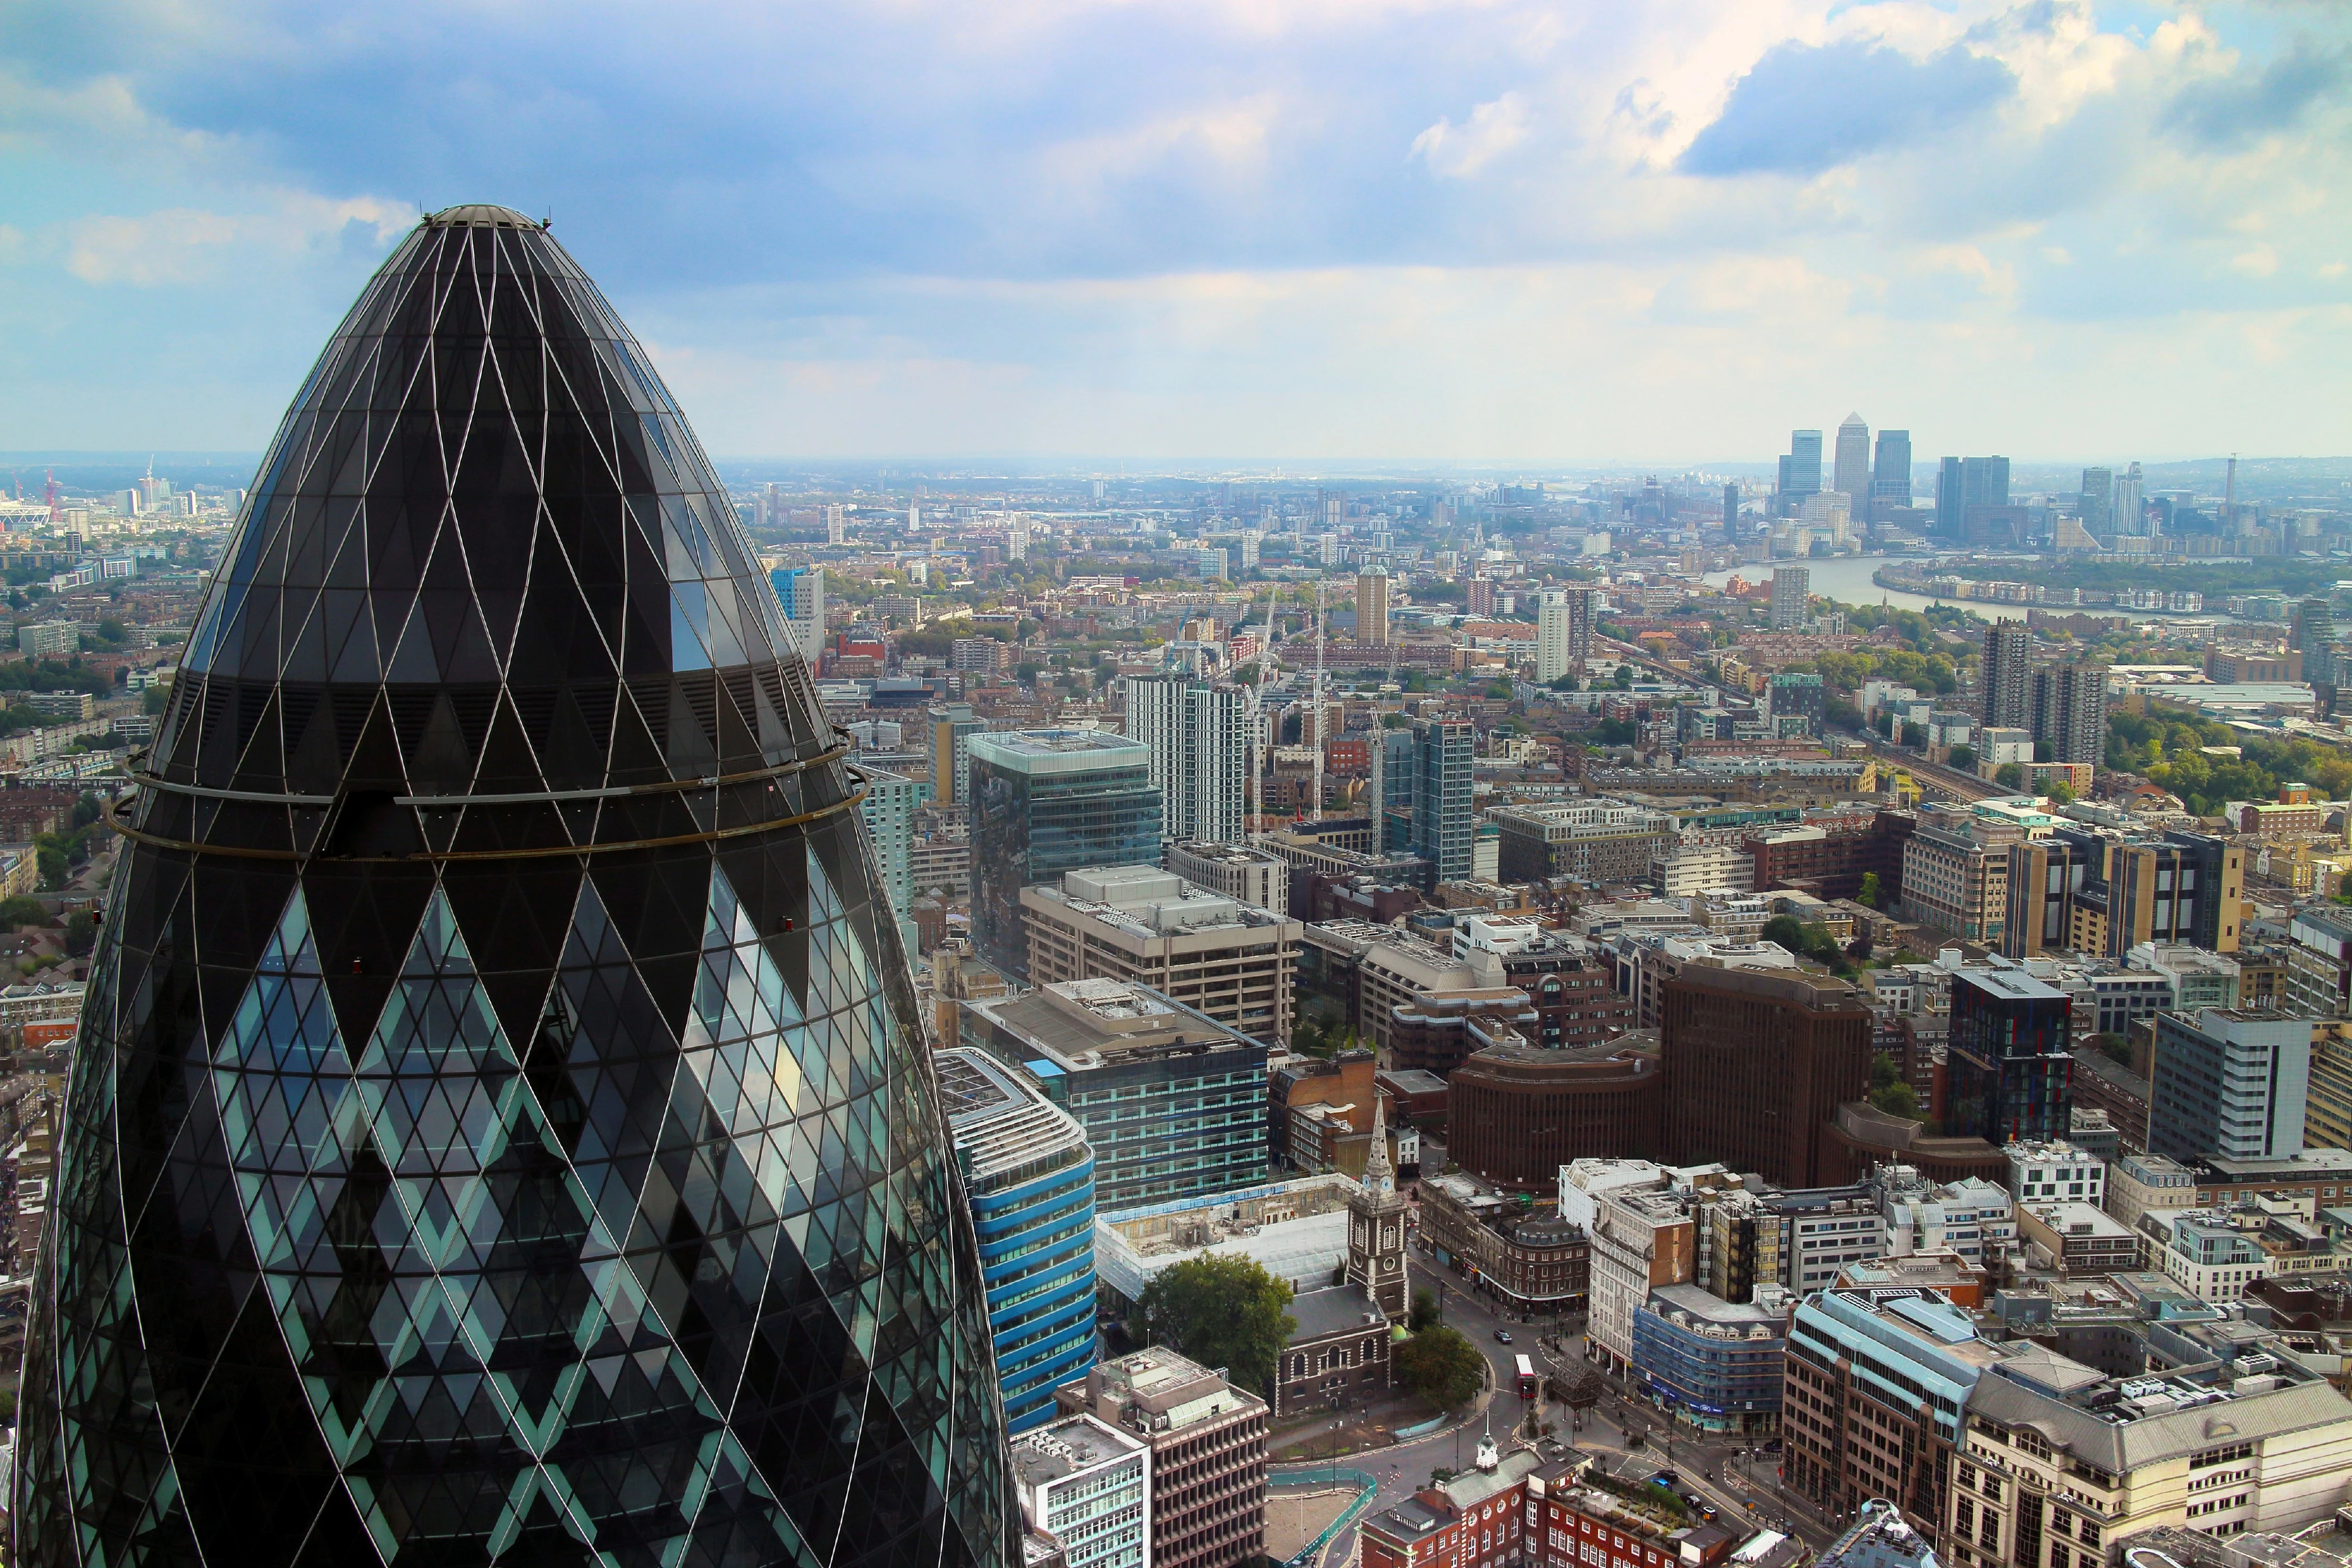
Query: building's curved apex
479	215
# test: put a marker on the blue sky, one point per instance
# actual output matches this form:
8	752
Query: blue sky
1254	229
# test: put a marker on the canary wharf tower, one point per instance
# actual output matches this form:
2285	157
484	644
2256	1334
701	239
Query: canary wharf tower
499	1129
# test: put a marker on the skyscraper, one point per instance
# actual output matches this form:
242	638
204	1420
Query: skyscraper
501	1126
2009	1073
1198	736
837	523
1441	823
1730	511
1373	604
1045	802
1800	472
1984	482
2128	516
2005	677
800	590
2228	1082
1852	473
1755	1061
1890	477
1792	588
1391	793
1951	501
2094	508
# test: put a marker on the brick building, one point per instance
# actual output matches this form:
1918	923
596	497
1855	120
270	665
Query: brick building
1519	1112
1754	1063
1830	857
1207	1440
1520	1508
1531	1260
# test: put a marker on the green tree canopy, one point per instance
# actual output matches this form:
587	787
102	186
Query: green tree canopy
1869	895
1964	758
1441	1366
1222	1311
2010	776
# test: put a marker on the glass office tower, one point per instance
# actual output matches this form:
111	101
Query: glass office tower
499	1129
1049	800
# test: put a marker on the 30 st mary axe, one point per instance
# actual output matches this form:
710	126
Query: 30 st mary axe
500	1129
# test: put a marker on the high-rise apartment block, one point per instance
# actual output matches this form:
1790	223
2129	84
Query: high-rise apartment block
2009	1070
1563	633
800	593
1754	1063
889	811
837	523
2095	505
1373	604
2129	514
2070	713
952	727
1197	733
1442	813
1792	589
1207	1440
1045	802
2228	1082
1029	1175
2005	677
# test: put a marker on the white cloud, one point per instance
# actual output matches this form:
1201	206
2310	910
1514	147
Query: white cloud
1457	153
185	245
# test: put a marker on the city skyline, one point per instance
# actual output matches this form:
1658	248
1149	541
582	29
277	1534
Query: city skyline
1248	232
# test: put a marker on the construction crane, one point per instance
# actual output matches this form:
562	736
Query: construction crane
1322	641
1264	660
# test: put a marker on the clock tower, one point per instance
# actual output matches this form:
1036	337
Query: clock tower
1376	1213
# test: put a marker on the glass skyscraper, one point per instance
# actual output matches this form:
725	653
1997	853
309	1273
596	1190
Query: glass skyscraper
1049	800
1442	816
1030	1176
499	1129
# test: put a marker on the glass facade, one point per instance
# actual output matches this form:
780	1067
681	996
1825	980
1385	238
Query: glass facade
1714	1364
1030	1176
1049	800
2011	1074
499	1129
1442	816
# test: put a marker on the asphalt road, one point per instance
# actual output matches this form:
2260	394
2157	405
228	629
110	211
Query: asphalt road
1714	1471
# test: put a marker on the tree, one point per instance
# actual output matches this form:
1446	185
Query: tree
1964	758
1441	1366
1869	895
81	933
1786	930
1424	1311
2114	1046
1914	734
1218	1310
2010	776
1624	677
2061	791
1881	1071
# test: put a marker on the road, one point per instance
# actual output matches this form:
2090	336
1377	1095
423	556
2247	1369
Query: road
1405	1468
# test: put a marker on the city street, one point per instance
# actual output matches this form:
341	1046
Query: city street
1713	1470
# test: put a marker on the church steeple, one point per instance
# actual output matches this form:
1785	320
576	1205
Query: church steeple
1376	1215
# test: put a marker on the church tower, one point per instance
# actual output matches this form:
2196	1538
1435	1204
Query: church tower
1376	1227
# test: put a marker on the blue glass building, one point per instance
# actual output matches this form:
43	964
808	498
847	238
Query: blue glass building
1049	800
1030	1174
1713	1363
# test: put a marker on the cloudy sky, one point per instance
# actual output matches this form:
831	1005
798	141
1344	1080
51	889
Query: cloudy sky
1490	230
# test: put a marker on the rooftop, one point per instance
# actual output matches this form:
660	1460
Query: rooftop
1334	1309
1067	1446
1081	1025
1002	1126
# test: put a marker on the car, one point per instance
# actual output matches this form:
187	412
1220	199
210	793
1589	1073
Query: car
1502	1336
1709	1513
1668	1480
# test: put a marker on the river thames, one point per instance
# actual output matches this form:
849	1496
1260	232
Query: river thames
1846	578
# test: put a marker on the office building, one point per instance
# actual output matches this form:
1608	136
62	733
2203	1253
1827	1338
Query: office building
2228	1082
800	593
2061	1457
2070	713
2005	677
1890	476
1754	1063
1800	472
1850	470
1710	1364
1045	802
1088	1486
1172	1102
1517	1111
2007	1065
1643	1238
1598	842
1372	605
1234	961
1443	827
2142	1184
1876	1383
1798	702
1207	1440
1880	1538
1792	589
1956	872
2057	1172
1531	1262
1389	803
1030	1177
1730	512
524	1138
1240	872
1198	736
